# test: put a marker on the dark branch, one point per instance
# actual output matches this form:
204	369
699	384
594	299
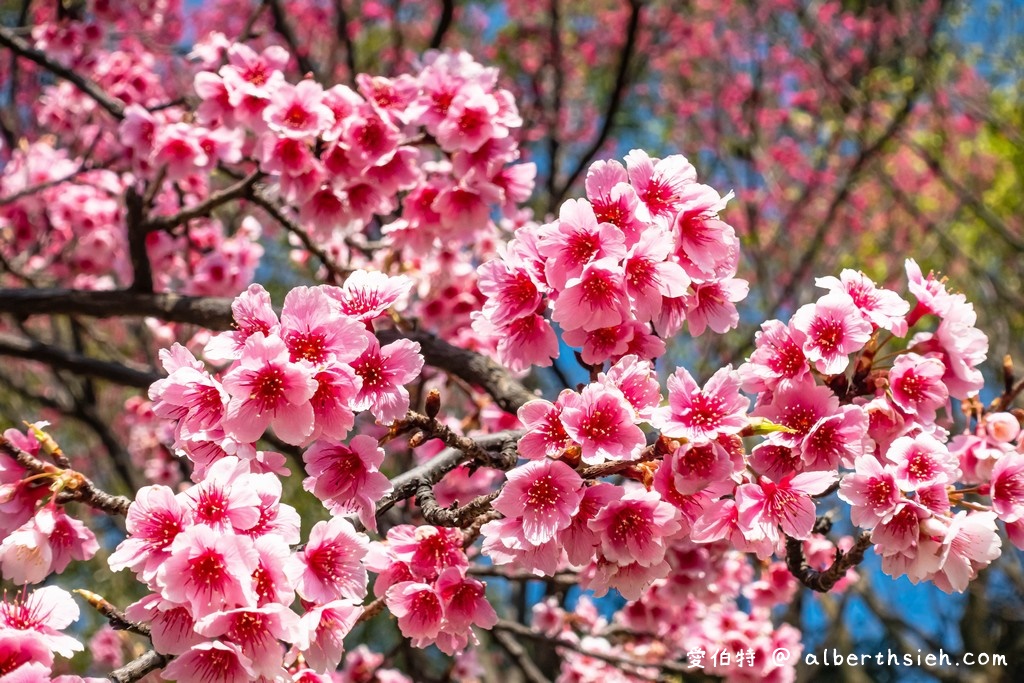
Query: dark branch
519	655
20	47
240	190
77	487
453	516
210	312
62	359
281	25
822	581
473	367
337	272
137	668
444	22
613	105
501	453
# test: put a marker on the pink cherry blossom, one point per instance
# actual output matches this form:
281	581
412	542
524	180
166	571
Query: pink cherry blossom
601	421
465	602
313	330
872	491
212	662
544	495
702	414
635	528
881	307
419	611
787	504
832	329
712	305
427	550
1007	487
384	371
154	520
576	240
660	184
916	385
325	627
545	435
346	477
44	612
257	631
298	110
777	359
331	562
209	571
267	389
595	299
921	461
366	295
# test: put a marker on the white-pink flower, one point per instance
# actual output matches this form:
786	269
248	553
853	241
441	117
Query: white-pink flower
636	528
544	495
831	329
787	504
267	389
346	477
602	422
702	414
331	562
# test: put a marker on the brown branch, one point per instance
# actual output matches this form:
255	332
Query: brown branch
276	212
473	367
520	657
114	616
59	358
77	487
561	579
281	25
500	450
19	46
215	314
341	29
822	581
444	22
142	270
527	632
613	105
452	516
433	428
138	668
240	190
211	312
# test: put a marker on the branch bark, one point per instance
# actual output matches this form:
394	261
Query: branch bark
20	47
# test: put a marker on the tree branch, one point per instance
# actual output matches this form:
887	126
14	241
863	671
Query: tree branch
444	22
19	46
281	25
77	487
138	668
822	581
613	105
240	190
59	358
471	366
211	312
501	453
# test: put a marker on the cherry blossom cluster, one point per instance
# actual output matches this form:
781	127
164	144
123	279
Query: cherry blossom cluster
303	375
643	254
222	575
39	538
30	634
346	157
692	611
422	578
